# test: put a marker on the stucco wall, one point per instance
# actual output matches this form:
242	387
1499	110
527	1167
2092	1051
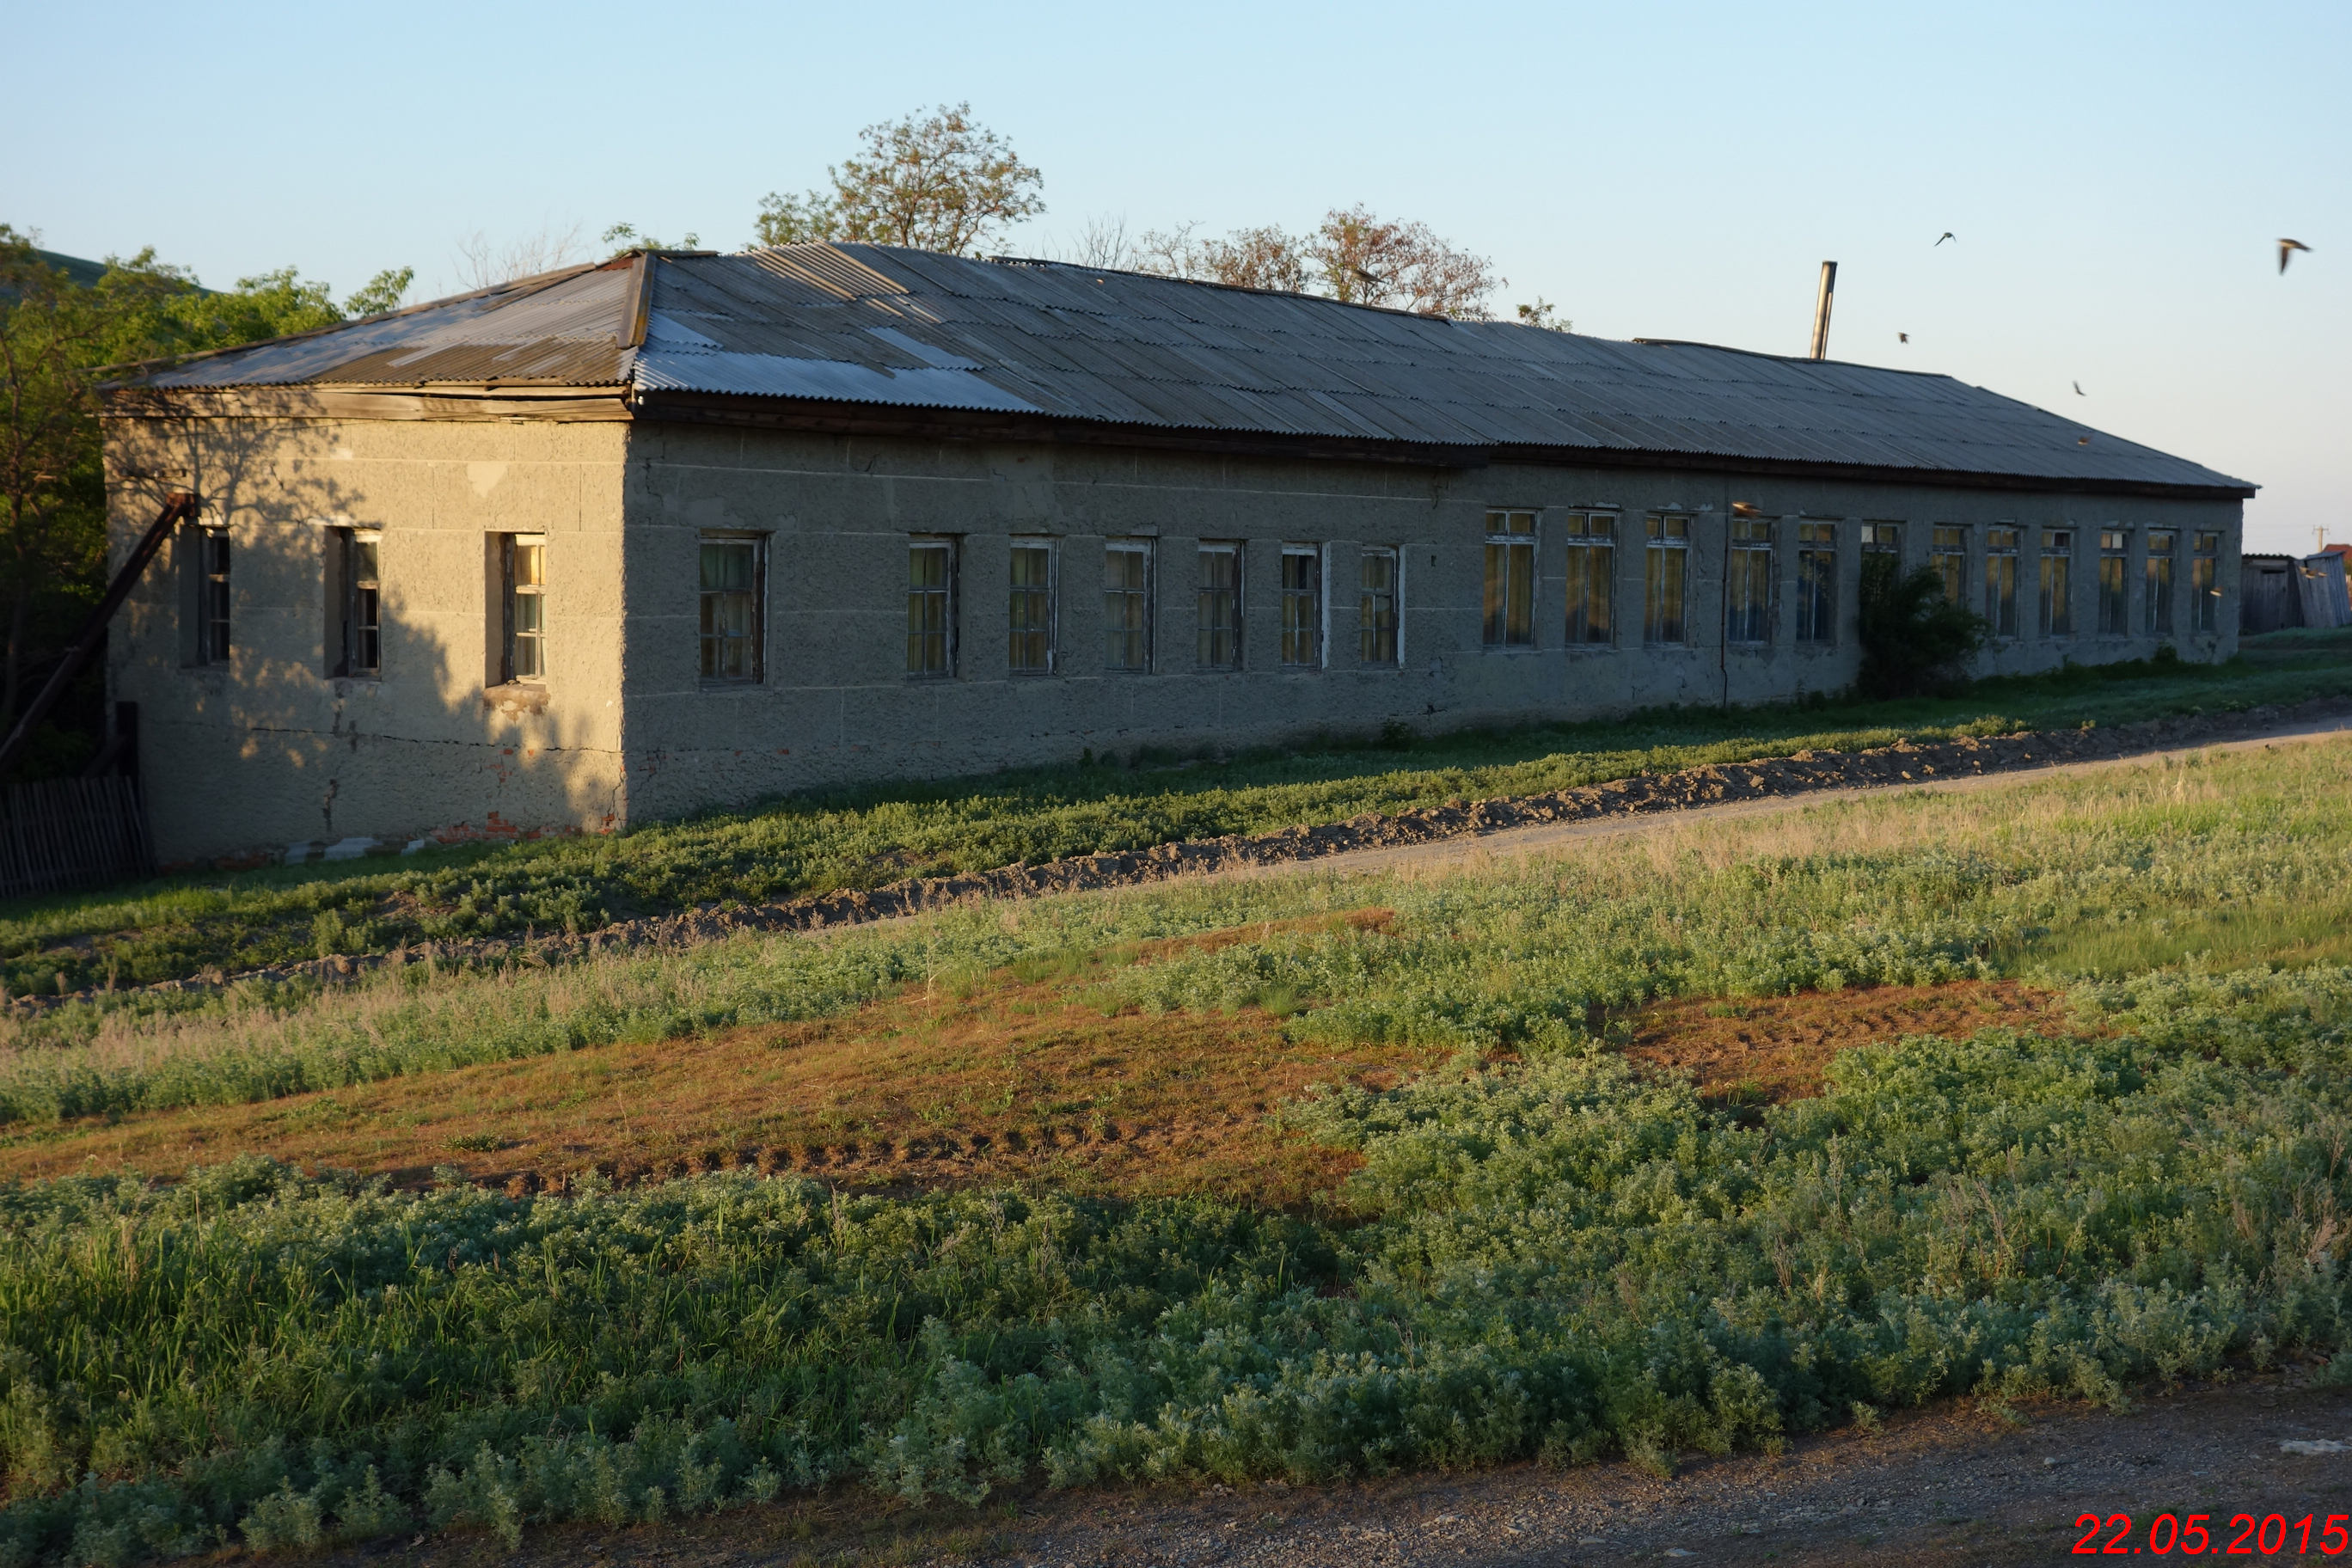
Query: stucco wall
839	515
268	748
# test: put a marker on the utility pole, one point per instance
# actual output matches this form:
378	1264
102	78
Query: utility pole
1822	311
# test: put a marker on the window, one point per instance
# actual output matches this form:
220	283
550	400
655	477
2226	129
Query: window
1127	603
1882	539
524	559
1950	546
931	607
734	571
359	602
1221	608
2057	582
1510	579
2158	613
1029	609
1747	595
2115	607
2205	581
1663	569
1592	568
212	595
2000	580
1302	605
1817	581
1376	610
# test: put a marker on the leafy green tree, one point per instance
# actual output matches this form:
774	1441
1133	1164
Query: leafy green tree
1915	640
58	339
945	182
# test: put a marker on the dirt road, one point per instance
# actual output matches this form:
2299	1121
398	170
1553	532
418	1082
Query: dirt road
1958	1486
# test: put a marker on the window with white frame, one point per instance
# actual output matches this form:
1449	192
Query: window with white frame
1748	590
2002	555
2115	598
1219	606
1376	639
1591	550
1817	581
2057	582
2158	577
1029	609
524	573
2205	581
1126	605
1510	599
1665	570
1948	548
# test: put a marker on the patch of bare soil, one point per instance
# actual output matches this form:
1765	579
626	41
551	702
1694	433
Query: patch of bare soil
1774	1048
1021	1074
1957	1487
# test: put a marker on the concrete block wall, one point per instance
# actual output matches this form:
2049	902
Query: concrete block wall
839	513
270	748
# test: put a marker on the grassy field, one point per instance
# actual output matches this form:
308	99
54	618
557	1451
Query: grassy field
2091	1134
186	925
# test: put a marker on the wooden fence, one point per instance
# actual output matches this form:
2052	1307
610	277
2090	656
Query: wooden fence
72	833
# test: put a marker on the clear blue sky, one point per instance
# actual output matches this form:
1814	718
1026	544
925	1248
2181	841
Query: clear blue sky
2117	174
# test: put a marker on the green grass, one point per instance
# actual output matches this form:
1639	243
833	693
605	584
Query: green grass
2234	858
182	926
1553	1256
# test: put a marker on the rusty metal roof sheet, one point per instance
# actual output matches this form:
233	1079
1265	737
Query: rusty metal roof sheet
879	325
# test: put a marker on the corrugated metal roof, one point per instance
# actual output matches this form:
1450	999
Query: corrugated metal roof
875	324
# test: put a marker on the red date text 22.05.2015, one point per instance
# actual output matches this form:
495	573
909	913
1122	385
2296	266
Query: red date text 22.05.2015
2195	1534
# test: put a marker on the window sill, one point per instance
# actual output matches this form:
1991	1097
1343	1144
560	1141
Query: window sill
515	697
746	683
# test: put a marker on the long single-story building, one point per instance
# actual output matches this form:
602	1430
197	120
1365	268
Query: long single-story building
679	530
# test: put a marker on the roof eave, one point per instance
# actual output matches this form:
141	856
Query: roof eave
883	419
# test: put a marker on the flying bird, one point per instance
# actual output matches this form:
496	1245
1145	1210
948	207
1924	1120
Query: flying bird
2079	392
2288	247
1947	235
1904	337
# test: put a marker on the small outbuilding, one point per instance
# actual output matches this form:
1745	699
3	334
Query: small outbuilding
683	529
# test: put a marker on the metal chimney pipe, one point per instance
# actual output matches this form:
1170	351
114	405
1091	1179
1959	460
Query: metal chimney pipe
1822	311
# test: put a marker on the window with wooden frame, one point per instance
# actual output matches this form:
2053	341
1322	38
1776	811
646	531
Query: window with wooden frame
1029	609
1126	605
522	561
2057	582
1376	639
1510	599
1665	578
2114	600
2001	554
734	570
1219	606
1882	539
2158	579
1748	590
356	587
210	597
1302	606
1948	547
2205	581
1817	581
931	608
1591	553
